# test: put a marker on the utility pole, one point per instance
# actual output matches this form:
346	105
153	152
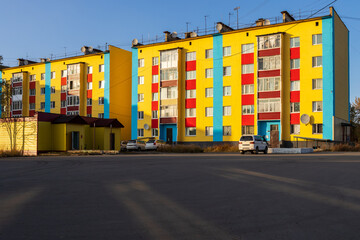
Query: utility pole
237	17
205	24
187	26
65	51
230	19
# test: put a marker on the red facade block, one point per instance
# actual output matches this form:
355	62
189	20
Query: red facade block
31	99
269	116
88	109
154	123
269	52
17	84
63	96
63	81
31	113
247	99
89	77
89	93
168	120
270	94
190	65
73	108
247	120
190	122
155	87
169	83
190	103
154	105
63	110
247	78
270	73
155	70
17	112
295	118
295	96
32	85
294	74
295	53
247	58
190	84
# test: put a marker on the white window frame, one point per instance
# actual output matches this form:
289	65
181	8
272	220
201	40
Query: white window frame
190	131
269	105
269	42
316	128
294	42
42	91
140	80
227	111
140	115
101	115
247	89
155	61
32	78
226	130
52	89
295	63
89	101
101	100
247	129
52	75
89	86
316	39
32	92
141	62
42	105
247	68
101	84
190	112
155	78
227	51
154	114
209	73
295	85
269	63
247	48
190	56
209	53
269	84
191	93
140	132
52	104
248	110
209	131
209	112
140	97
42	76
154	132
209	92
317	83
190	75
63	104
317	61
155	96
32	106
294	107
295	129
101	68
227	91
317	106
227	71
89	70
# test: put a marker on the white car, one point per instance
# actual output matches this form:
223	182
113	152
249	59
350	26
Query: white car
154	144
135	145
253	144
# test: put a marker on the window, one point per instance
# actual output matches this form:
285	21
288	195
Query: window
226	51
316	39
247	48
209	112
209	92
227	111
89	69
140	80
227	71
190	131
73	100
295	107
267	42
209	73
317	83
89	85
32	106
155	96
155	78
63	73
317	128
63	104
72	113
168	93
295	129
101	84
169	65
17	91
140	97
247	109
140	115
208	131
190	112
155	61
269	63
317	106
88	115
190	93
52	104
42	105
63	89
154	132
247	68
269	105
32	78
89	102
247	130
101	68
190	56
208	53
295	63
52	75
248	89
52	89
154	114
101	100
294	42
43	76
32	92
227	91
16	105
294	85
140	132
141	62
227	130
101	115
73	69
42	91
317	61
269	84
168	111
190	75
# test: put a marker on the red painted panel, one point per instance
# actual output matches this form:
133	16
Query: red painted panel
17	84
155	87
269	116
270	73
247	78
32	85
295	53
269	52
271	94
73	108
31	99
89	94
294	74
88	109
190	65
168	120
295	96
190	84
154	105
190	103
190	122
247	99
154	123
63	96
295	118
63	81
89	77
169	83
63	111
247	58
155	70
17	112
31	113
247	120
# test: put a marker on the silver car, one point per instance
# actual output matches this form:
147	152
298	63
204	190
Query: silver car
253	144
135	145
154	144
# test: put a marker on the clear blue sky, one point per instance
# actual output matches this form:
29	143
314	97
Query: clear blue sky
38	28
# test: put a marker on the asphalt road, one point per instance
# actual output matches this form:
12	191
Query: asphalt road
184	196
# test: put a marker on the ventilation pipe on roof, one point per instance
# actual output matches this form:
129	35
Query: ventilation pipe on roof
287	17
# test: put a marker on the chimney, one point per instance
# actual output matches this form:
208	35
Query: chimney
22	62
221	27
287	17
260	22
167	36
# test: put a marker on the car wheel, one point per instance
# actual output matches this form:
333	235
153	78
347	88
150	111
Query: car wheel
266	150
139	148
257	150
252	152
242	152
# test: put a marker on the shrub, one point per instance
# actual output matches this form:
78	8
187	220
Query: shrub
345	148
222	148
180	148
11	153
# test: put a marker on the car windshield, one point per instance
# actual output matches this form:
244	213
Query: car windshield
150	141
246	138
132	141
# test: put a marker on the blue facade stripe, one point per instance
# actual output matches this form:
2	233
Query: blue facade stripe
134	93
218	88
0	92
328	77
47	86
107	85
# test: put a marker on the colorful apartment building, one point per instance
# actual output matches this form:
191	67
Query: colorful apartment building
96	84
289	78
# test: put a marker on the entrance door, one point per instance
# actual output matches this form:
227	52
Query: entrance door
75	140
274	135
112	141
169	135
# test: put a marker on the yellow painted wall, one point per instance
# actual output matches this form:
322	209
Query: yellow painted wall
45	136
59	137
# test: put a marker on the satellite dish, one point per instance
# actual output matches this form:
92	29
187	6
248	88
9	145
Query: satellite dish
219	27
267	22
305	119
146	126
193	34
174	34
90	49
48	59
83	49
26	62
135	42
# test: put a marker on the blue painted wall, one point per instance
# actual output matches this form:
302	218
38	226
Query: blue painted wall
218	88
134	93
264	128
47	86
328	77
163	131
107	85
